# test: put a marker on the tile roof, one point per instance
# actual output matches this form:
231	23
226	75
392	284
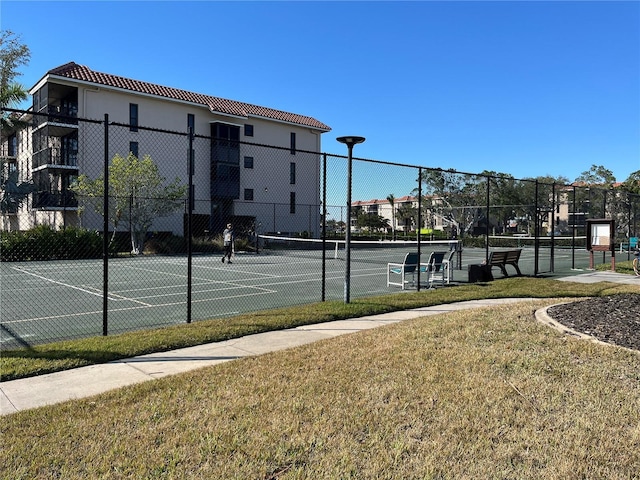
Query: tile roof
74	71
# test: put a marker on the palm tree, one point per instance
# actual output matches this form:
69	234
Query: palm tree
13	54
10	96
392	200
13	193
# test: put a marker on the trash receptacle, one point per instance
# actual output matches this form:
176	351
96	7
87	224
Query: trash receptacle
479	272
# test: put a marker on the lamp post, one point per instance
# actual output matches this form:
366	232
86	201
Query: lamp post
349	142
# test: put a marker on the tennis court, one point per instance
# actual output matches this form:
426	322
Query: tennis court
46	301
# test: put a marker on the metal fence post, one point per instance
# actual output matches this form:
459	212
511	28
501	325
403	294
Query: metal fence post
536	231
324	226
553	228
105	231
418	236
486	232
190	202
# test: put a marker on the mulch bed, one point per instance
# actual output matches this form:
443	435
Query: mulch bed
612	319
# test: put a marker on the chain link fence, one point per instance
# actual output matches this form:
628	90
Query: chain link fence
110	227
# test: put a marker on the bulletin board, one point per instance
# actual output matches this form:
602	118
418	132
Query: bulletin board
600	235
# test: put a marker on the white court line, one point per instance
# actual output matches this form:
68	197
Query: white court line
224	285
124	309
184	275
59	283
123	298
259	290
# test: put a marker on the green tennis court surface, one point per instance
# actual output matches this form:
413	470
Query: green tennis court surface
45	301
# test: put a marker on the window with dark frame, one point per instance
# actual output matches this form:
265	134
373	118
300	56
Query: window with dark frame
292	173
293	143
133	148
248	130
225	161
248	194
292	202
248	162
133	117
191	121
13	145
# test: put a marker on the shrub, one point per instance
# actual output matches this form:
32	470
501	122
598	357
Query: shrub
44	243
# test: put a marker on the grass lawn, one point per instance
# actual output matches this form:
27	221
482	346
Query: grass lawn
487	393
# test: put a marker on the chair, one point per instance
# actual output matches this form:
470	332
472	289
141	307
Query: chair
435	268
632	244
447	264
408	267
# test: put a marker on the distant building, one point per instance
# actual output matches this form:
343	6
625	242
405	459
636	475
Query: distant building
402	215
231	180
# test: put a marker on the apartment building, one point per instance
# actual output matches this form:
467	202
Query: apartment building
400	216
277	188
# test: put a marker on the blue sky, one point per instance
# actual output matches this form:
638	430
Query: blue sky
523	88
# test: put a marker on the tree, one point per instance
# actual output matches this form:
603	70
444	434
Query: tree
392	200
632	184
450	195
13	54
138	194
371	222
407	215
597	175
12	192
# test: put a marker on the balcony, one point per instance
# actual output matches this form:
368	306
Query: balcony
54	159
8	151
55	200
57	114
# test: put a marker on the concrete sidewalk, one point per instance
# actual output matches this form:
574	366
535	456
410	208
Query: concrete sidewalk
594	276
23	394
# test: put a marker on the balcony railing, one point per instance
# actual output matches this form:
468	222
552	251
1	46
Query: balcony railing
54	157
67	115
7	153
54	199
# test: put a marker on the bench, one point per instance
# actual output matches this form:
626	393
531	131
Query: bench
504	258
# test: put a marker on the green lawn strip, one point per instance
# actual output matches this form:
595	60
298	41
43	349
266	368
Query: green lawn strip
64	355
622	266
483	393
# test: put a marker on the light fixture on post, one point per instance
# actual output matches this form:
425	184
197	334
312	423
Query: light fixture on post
349	141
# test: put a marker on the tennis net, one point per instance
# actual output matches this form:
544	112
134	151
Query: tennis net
370	251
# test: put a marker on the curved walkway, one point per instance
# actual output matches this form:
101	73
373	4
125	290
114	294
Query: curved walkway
27	393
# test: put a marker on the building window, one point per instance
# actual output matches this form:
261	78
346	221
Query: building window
226	143
292	202
293	143
69	149
13	145
133	117
248	194
248	162
191	122
7	168
248	130
133	148
292	173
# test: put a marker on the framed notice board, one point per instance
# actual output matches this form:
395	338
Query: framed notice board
600	235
